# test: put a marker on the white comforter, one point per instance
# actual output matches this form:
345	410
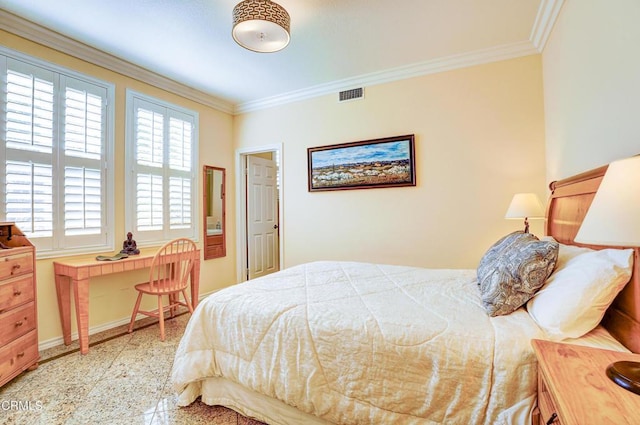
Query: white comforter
357	343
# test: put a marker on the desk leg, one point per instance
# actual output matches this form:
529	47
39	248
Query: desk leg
63	291
81	298
195	283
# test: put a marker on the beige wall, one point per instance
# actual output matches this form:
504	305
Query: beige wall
591	75
112	298
479	139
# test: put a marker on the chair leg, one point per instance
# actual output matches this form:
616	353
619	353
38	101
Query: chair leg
172	303
161	317
187	301
135	312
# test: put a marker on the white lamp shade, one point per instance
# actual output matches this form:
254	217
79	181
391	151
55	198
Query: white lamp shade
525	205
613	219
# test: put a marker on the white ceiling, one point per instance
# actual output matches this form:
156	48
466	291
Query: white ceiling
335	44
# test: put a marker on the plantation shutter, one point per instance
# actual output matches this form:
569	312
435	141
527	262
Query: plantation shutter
54	169
149	160
180	141
29	119
84	135
163	192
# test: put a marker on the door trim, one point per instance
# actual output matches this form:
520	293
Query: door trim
241	206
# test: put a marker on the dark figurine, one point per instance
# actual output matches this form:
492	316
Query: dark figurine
129	246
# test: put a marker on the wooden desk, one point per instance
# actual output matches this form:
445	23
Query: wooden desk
74	275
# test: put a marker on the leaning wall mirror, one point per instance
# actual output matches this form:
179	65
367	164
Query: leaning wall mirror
214	212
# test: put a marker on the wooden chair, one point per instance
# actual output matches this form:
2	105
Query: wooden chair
169	275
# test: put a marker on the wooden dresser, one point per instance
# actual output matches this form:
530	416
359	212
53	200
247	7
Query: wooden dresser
573	387
18	313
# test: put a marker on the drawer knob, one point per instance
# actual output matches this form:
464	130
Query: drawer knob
15	267
17	292
20	355
552	419
18	323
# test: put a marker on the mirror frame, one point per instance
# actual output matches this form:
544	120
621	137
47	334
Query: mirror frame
215	246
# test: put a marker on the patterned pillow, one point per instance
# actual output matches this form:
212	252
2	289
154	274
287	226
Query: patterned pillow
513	269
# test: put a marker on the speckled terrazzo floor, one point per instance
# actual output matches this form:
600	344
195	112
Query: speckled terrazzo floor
124	379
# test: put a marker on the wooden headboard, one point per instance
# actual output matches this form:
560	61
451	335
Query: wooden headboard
568	204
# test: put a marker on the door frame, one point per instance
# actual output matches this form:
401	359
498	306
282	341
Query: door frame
241	206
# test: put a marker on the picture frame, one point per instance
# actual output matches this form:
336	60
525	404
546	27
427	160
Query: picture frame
375	163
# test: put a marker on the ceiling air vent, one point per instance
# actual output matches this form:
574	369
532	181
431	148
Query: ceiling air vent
352	94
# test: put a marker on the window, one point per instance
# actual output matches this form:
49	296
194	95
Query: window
56	136
160	160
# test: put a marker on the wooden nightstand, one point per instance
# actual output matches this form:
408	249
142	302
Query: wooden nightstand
573	384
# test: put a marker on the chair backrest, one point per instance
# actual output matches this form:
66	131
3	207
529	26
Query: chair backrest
172	264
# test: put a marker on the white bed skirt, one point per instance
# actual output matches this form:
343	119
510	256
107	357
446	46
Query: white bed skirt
222	392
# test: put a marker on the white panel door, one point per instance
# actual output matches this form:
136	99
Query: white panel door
262	217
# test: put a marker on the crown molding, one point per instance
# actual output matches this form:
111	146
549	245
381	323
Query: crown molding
46	37
448	63
545	20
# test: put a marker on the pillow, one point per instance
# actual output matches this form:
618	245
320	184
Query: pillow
513	269
575	297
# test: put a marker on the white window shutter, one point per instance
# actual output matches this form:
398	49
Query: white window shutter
180	140
180	144
83	124
149	194
29	110
81	163
179	203
29	197
161	147
29	139
149	138
55	172
82	201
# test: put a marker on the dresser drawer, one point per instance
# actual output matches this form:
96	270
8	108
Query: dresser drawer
17	322
16	291
16	264
18	356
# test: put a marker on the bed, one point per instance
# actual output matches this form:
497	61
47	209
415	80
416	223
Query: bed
359	343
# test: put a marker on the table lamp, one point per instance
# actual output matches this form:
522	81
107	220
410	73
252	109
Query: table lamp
525	205
613	219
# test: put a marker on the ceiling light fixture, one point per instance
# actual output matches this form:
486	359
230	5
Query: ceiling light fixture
261	26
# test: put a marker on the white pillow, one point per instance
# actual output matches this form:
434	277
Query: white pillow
585	282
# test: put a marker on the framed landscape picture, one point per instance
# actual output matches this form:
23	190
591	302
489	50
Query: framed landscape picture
388	162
